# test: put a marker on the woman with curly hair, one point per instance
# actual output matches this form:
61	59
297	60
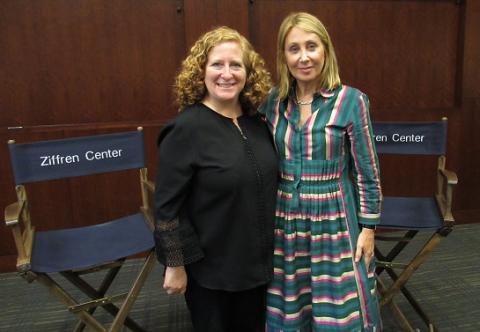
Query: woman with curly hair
216	184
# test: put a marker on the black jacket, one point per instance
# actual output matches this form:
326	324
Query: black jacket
215	198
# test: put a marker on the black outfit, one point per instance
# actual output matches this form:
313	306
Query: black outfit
222	311
215	200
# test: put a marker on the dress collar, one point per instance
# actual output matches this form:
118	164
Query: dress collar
322	92
326	93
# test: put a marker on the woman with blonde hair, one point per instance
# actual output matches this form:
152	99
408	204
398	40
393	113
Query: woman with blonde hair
216	184
329	194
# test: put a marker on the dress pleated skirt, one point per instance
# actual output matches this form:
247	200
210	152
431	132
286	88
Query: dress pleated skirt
317	286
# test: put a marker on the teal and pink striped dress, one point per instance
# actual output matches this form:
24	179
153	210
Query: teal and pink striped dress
329	184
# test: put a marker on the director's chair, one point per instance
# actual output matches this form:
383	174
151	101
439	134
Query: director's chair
74	252
403	218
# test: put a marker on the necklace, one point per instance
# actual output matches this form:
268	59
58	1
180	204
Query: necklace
302	102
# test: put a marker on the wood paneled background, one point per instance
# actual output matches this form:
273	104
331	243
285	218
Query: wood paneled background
93	66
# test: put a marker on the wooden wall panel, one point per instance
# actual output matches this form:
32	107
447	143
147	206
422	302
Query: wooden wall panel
467	143
72	68
89	61
202	16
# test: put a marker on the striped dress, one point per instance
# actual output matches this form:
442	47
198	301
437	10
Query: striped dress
329	183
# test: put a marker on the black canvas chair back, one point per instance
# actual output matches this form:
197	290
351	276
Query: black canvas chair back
73	252
403	217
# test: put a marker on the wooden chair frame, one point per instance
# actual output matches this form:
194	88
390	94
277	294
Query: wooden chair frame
18	219
446	180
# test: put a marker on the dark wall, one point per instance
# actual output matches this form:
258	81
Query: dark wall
81	67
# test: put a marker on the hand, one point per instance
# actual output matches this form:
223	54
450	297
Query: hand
175	280
365	246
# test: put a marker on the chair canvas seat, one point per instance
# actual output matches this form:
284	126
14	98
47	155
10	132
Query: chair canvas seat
410	213
85	247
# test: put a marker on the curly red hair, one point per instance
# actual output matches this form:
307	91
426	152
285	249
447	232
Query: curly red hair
189	85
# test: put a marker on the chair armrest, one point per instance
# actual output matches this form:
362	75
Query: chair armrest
150	186
147	192
13	213
450	177
23	239
445	193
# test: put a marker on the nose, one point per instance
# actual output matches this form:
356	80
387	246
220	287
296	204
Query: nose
303	55
227	72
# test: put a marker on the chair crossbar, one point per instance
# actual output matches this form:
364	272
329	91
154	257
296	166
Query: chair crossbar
97	302
60	293
84	311
86	288
411	267
391	238
98	296
101	267
391	265
395	251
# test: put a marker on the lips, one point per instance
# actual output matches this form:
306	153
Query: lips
225	85
305	71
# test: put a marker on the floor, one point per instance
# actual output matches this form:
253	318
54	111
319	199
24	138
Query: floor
448	285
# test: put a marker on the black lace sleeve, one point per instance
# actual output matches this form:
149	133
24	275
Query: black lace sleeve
175	239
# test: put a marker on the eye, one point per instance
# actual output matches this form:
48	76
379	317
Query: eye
216	64
293	49
236	65
312	47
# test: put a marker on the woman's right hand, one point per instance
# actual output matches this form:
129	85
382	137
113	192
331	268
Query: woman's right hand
175	280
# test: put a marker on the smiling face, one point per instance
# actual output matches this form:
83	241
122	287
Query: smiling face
225	73
304	55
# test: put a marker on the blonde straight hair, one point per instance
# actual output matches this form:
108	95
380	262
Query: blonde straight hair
330	77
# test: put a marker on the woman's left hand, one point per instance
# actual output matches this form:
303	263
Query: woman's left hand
365	246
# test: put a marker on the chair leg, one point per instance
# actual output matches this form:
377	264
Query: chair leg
399	316
413	302
66	299
87	289
399	282
74	278
133	293
411	267
395	251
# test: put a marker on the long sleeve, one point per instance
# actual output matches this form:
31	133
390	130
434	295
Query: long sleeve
366	173
175	239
